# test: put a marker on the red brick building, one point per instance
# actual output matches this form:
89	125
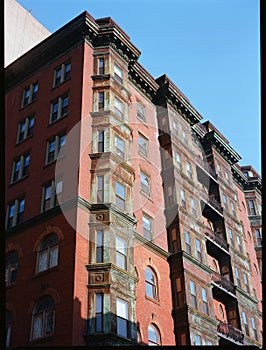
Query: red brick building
123	215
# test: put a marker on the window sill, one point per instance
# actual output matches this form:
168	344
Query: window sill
145	157
152	300
146	195
10	285
43	340
60	84
22	141
45	272
57	120
143	122
31	102
18	180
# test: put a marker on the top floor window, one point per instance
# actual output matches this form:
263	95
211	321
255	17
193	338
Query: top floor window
118	74
30	94
62	73
101	65
141	112
252	210
258	236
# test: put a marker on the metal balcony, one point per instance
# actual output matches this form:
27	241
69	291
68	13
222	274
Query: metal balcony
216	238
230	332
206	167
223	282
211	201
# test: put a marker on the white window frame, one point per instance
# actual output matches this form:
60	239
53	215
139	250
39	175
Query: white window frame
28	128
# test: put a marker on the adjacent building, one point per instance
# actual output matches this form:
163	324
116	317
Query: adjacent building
128	219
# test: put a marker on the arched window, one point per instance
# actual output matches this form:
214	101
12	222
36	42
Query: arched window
8	327
11	267
154	337
151	283
43	318
47	253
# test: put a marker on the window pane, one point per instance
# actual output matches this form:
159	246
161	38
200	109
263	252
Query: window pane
49	322
120	190
53	256
37	326
43	257
122	308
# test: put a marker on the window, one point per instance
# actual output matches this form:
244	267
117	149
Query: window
100	147
205	301
183	199
54	146
30	94
193	294
184	135
62	73
100	100
147	226
15	213
193	206
99	246
246	282
143	145
225	200
11	267
178	160
258	237
8	328
141	112
118	74
187	242
219	169
254	328
100	189
47	256
237	277
179	291
232	207
231	237
99	312
43	318
122	317
175	128
154	337
25	128
197	340
120	195
20	167
59	108
145	183
118	108
151	283
51	195
198	250
189	172
226	176
119	147
244	317
121	257
101	65
251	208
239	243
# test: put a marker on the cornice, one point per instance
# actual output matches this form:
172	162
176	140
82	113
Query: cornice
169	93
246	184
142	80
223	148
151	246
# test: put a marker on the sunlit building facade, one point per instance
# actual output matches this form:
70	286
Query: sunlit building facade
128	219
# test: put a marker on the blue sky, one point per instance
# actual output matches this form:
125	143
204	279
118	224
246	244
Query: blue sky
209	48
